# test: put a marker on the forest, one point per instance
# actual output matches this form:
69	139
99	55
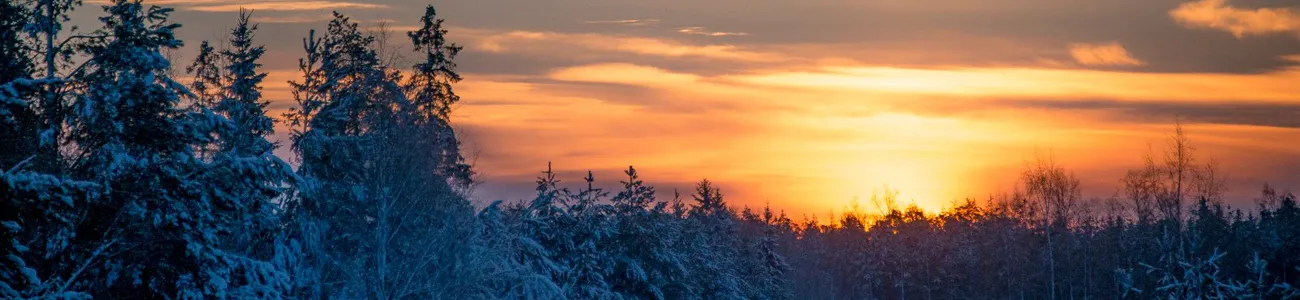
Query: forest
121	181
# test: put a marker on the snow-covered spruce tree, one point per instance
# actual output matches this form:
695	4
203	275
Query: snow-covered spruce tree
585	254
378	198
304	228
510	261
768	274
644	261
1280	230
39	206
227	90
206	70
331	98
711	243
431	96
55	75
539	222
19	123
37	217
242	101
17	139
154	232
423	176
1206	279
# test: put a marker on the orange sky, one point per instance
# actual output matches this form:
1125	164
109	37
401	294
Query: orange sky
806	105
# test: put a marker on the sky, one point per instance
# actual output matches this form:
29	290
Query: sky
807	105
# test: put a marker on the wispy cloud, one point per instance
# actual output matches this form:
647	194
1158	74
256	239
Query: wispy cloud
533	41
622	73
1278	87
701	31
165	2
1103	54
286	6
1217	14
236	5
292	19
630	22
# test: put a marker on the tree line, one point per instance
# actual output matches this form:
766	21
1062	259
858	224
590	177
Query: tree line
119	181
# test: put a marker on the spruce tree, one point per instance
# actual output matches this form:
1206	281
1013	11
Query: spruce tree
19	123
155	232
379	184
432	97
54	57
39	206
38	214
711	232
228	89
644	262
206	70
770	277
333	98
510	260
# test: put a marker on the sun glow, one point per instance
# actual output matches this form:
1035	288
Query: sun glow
927	160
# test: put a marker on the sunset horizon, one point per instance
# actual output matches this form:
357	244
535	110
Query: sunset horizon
948	112
649	149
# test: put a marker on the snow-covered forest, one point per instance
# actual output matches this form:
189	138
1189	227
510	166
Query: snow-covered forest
123	179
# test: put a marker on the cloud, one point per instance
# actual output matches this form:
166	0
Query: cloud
1217	14
701	31
1104	54
1040	82
164	2
924	30
1235	113
631	22
291	19
523	41
623	74
286	6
